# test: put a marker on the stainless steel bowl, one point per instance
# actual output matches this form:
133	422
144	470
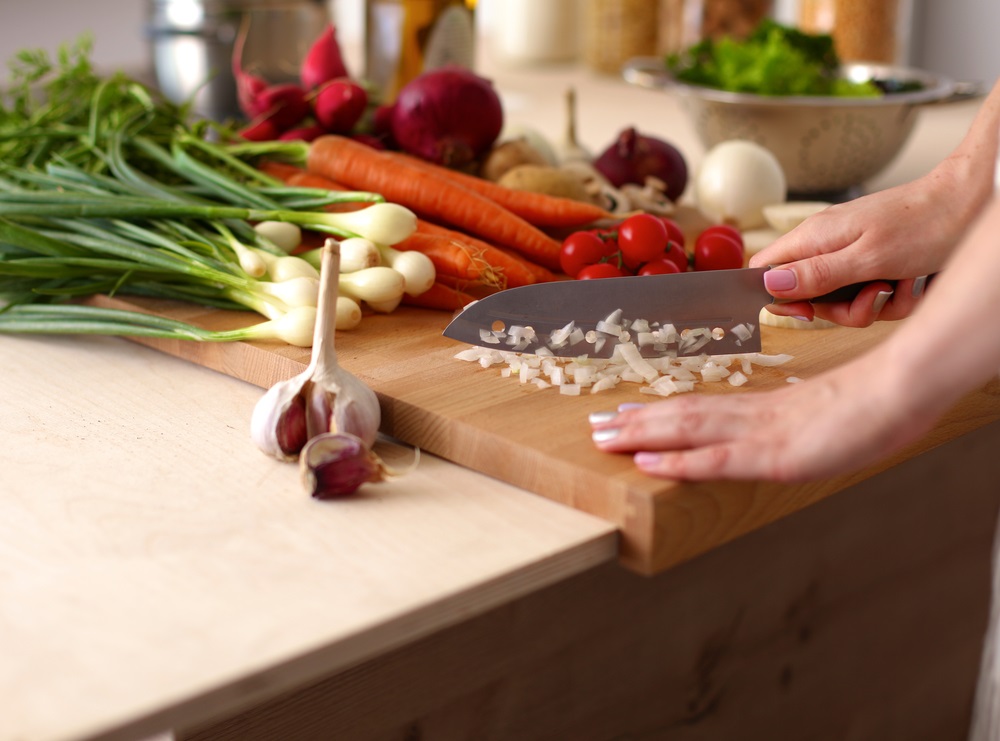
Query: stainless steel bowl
825	144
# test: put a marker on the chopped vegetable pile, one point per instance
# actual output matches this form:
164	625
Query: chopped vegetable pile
773	60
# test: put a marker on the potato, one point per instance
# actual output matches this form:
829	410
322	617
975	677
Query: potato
549	180
507	155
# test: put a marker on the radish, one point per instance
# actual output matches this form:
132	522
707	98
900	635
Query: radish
323	61
339	105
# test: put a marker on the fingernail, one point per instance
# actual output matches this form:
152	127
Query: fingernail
801	318
624	407
780	280
645	459
880	300
597	418
918	286
605	435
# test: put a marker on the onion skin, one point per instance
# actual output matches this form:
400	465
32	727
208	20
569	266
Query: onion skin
450	116
335	465
634	157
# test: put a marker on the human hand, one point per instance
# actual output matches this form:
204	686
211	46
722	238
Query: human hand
901	235
841	421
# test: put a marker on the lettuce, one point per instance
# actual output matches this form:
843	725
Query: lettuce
774	60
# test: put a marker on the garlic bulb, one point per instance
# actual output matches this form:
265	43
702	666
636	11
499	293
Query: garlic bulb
324	398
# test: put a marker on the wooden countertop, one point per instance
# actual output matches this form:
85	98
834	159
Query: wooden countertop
155	568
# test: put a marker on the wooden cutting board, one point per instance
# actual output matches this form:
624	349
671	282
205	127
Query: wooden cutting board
539	440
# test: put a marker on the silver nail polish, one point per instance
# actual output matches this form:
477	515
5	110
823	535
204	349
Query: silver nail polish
880	300
605	435
625	406
918	286
597	418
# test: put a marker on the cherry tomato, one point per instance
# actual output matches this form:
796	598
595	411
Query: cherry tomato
674	231
641	238
579	250
659	266
729	231
717	252
676	254
600	270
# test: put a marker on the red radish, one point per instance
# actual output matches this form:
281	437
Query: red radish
248	89
285	105
304	133
323	61
260	130
449	116
339	105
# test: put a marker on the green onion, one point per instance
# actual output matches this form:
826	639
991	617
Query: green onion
107	187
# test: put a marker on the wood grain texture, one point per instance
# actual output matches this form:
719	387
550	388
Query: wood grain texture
860	618
156	568
539	440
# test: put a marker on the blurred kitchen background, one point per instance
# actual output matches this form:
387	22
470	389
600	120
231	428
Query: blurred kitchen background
955	38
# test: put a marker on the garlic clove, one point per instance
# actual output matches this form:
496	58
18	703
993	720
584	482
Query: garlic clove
336	465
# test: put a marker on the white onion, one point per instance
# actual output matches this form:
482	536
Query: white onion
736	180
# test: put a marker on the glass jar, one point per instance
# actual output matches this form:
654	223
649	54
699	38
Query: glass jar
614	31
862	30
686	22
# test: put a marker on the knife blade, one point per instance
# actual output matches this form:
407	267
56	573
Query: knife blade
709	312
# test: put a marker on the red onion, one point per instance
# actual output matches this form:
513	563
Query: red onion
449	116
633	157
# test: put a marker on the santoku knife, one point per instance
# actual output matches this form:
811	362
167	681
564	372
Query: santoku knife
708	312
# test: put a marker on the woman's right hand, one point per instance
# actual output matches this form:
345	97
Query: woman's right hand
899	235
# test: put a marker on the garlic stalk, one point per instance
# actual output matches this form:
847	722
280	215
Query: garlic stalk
324	398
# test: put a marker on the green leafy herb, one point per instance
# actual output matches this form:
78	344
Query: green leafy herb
773	60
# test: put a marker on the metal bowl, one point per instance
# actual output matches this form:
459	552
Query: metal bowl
825	144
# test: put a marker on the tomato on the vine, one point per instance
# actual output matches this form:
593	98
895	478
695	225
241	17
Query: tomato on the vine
660	266
730	231
581	249
674	231
641	238
600	270
717	251
676	253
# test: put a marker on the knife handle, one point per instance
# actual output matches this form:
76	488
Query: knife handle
849	293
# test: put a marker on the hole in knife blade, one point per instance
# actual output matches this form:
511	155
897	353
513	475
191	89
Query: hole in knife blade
498	326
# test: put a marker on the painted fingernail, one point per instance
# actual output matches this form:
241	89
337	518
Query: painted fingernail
624	407
801	318
645	459
605	435
597	418
780	280
918	286
880	300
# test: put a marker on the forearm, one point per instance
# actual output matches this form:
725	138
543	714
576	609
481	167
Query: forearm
951	343
969	170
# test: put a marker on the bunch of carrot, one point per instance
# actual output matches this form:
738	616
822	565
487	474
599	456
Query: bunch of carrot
481	237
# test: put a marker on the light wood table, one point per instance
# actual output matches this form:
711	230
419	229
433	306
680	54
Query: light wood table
157	572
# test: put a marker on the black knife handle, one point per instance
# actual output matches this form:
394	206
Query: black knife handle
849	293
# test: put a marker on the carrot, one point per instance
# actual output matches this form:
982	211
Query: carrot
540	209
432	196
297	176
453	258
517	270
454	253
440	296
